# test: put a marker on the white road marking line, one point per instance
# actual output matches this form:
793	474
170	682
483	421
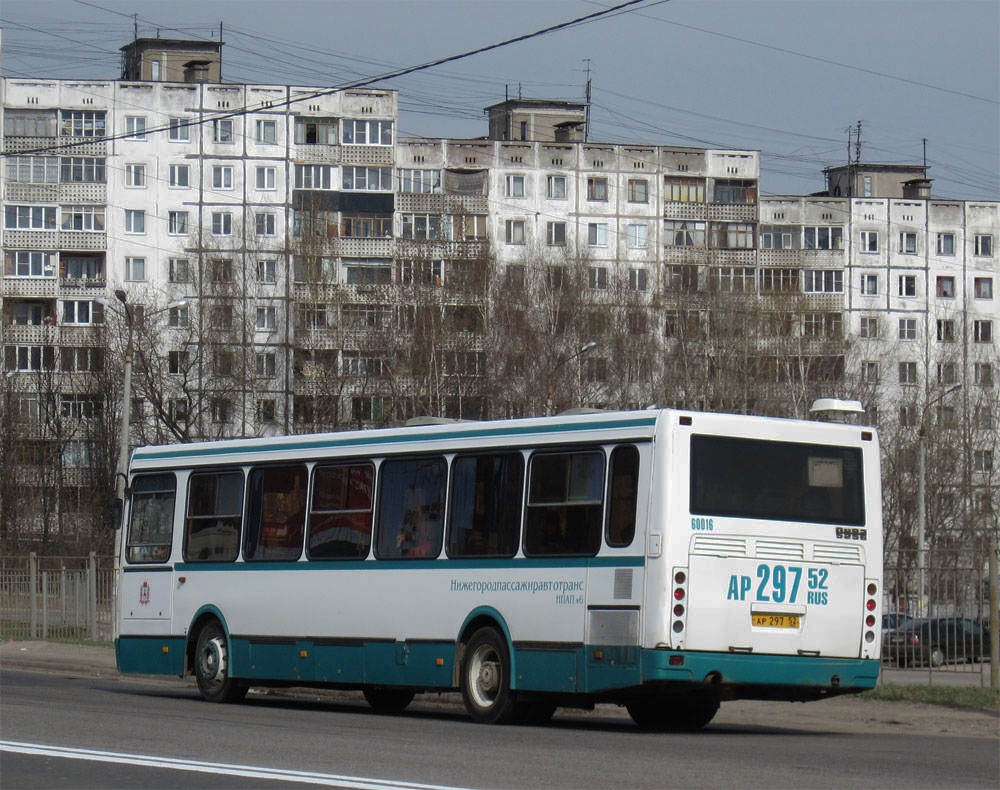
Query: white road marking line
250	771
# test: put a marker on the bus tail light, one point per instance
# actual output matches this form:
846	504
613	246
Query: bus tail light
679	621
871	642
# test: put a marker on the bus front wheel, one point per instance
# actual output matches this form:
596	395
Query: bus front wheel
211	667
485	679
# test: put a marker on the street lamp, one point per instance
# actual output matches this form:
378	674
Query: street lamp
922	498
590	344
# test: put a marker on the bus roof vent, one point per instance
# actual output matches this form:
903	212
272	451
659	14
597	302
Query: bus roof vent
835	409
428	420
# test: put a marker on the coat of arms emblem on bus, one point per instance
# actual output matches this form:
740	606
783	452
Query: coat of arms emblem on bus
144	594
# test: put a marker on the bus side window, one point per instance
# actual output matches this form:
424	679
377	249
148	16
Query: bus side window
485	514
565	504
624	495
411	508
214	516
340	522
152	523
276	513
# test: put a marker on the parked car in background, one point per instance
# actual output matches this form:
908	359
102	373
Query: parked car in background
892	621
937	641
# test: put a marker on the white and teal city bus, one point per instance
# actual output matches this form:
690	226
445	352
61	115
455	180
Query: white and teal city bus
663	560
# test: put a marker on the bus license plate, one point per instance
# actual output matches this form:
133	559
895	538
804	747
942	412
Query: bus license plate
775	620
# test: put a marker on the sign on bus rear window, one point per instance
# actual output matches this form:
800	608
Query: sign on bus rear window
781	481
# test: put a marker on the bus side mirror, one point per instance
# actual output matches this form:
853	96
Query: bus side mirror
117	506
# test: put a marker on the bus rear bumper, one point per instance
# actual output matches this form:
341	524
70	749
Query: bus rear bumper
750	676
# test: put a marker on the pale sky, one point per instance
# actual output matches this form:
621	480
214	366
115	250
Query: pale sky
786	77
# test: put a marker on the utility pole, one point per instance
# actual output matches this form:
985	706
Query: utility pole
586	117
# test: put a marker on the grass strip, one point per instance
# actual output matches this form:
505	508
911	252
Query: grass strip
974	697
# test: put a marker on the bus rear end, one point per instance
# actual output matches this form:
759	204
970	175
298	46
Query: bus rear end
771	567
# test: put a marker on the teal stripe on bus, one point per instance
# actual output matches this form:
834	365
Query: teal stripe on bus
226	448
396	565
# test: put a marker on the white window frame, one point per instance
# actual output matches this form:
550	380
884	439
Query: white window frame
178	131
869	284
984	245
267	271
177	223
222	223
514	185
222	177
515	231
265	223
907	329
597	234
555	234
869	241
826	281
135	221
946	244
265	178
907	242
637	236
555	187
135	269
135	127
262	136
179	176
223	131
266	318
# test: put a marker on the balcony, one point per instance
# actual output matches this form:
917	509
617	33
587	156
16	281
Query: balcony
366	154
55	240
30	287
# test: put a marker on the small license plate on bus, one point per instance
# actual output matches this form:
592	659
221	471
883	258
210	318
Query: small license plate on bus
775	620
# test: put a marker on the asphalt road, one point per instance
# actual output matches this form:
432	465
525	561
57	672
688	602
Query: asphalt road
147	723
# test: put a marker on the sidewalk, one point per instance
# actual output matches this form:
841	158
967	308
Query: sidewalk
98	661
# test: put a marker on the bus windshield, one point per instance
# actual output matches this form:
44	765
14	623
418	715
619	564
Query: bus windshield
780	481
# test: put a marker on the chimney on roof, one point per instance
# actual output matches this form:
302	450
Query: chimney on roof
917	188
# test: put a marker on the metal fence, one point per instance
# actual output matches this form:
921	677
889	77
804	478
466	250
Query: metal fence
57	598
937	616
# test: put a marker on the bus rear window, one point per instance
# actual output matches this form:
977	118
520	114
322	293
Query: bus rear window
152	527
780	481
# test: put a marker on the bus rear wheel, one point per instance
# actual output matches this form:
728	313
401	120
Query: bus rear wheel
387	700
211	667
485	679
674	713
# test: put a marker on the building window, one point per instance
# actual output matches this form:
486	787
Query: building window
946	244
84	218
823	238
829	281
265	224
222	130
637	236
867	188
267	132
367	179
265	178
426	182
982	460
984	245
869	284
907	285
177	222
35	169
25	263
179	175
983	287
555	187
597	278
135	221
983	374
907	372
822	325
683	190
597	188
682	233
30	358
555	234
315	131
154	70
869	328
264	365
313	177
597	234
135	127
514	186
178	270
907	328
266	318
907	243
221	270
638	190
907	415
357	132
779	280
470	227
946	373
514	231
368	226
221	317
83	170
982	331
267	271
265	410
637	279
222	177
82	312
423	227
681	277
135	269
869	241
945	330
83	123
35	217
869	372
946	287
732	279
222	223
178	130
733	235
734	192
177	317
776	237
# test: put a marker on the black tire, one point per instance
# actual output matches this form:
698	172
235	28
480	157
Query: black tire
388	700
674	713
211	667
535	712
485	679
